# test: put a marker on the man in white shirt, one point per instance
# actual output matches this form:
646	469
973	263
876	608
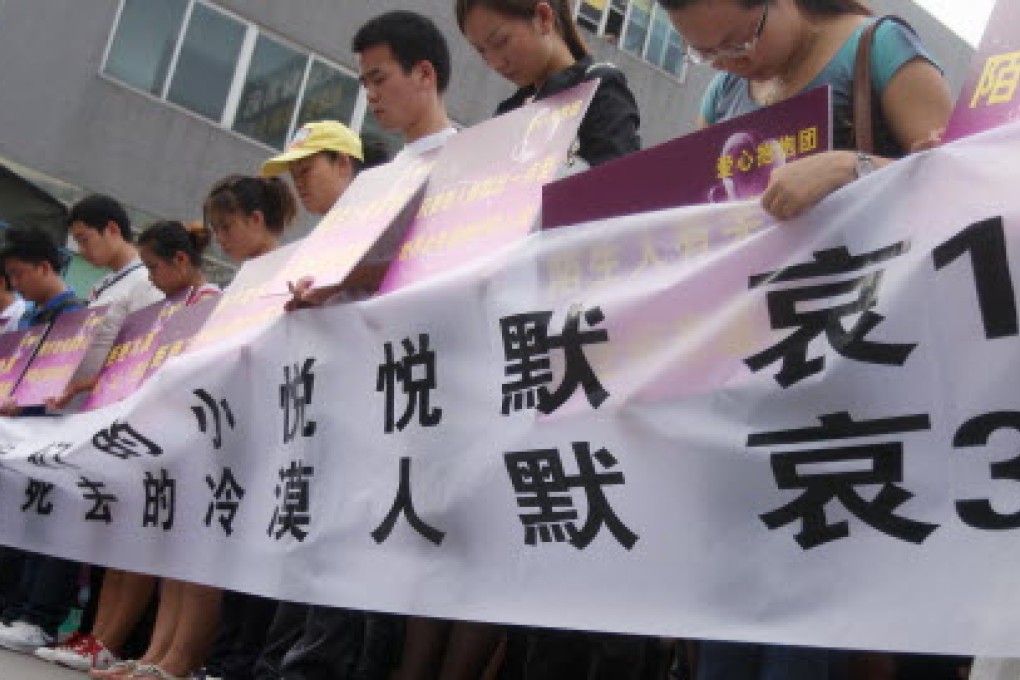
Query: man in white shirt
102	230
404	63
405	70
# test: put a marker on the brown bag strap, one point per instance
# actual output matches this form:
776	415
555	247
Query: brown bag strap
864	133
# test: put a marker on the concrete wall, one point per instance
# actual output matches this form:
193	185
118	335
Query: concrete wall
64	119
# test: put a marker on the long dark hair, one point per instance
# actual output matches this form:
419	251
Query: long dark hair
525	9
244	195
820	8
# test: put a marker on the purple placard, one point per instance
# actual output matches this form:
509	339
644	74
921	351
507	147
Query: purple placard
59	356
126	364
485	190
176	334
17	349
727	161
366	210
251	300
988	98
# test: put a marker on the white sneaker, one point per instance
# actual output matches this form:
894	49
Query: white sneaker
89	654
24	637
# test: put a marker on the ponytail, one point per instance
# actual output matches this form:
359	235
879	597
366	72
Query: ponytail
525	9
166	239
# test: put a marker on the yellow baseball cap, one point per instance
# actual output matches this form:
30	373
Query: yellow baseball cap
323	135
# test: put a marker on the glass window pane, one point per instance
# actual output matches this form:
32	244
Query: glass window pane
205	67
637	27
589	14
144	42
329	95
657	41
674	60
270	92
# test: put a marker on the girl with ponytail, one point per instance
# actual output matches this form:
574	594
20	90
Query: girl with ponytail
172	253
249	214
536	45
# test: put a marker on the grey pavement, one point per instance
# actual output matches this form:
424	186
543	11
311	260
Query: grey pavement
14	666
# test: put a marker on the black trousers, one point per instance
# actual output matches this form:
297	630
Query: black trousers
313	642
244	621
44	590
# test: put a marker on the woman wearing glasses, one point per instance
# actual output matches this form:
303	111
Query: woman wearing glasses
770	50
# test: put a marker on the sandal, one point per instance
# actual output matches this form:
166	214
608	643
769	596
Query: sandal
151	670
119	669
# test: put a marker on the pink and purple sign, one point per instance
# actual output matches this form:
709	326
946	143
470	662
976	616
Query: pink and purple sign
17	349
728	161
485	190
989	95
176	334
59	356
374	203
126	364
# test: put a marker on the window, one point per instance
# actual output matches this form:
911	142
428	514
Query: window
144	43
208	58
589	14
271	91
329	94
225	69
637	27
640	27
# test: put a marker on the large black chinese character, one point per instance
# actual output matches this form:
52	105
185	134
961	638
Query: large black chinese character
985	242
801	309
416	373
160	497
35	497
292	512
123	441
295	398
976	432
881	464
51	456
526	347
216	411
227	496
542	485
403	504
93	491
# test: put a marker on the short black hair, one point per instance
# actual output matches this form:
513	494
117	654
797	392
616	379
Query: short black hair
97	211
32	245
411	37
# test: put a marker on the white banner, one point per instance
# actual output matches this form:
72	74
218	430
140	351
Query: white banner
690	423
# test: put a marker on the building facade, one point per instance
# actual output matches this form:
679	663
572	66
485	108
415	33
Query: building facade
152	101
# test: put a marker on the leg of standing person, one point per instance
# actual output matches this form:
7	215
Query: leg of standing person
469	650
11	562
44	597
382	646
424	644
122	603
192	636
285	630
329	645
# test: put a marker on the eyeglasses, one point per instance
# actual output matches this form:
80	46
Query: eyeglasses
712	56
